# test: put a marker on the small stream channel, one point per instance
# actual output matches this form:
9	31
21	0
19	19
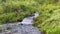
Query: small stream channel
24	27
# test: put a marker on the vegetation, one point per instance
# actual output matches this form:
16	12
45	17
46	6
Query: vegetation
1	28
8	28
48	20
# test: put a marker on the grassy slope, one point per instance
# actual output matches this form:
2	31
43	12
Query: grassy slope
14	10
48	20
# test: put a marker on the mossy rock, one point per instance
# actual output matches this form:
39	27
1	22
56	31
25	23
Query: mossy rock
1	27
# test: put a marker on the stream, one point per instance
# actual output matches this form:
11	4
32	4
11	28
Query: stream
24	27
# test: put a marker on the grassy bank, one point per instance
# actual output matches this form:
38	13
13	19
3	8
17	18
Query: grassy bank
48	20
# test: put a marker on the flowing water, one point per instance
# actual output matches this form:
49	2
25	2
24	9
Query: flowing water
24	27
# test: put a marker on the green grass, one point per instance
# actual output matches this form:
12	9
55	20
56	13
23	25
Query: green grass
48	20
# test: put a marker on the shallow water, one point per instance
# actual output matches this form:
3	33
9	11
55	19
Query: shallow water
29	20
25	28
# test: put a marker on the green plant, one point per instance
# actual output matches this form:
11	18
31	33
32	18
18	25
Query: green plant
8	28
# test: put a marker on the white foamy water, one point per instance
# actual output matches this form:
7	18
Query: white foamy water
26	28
29	20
